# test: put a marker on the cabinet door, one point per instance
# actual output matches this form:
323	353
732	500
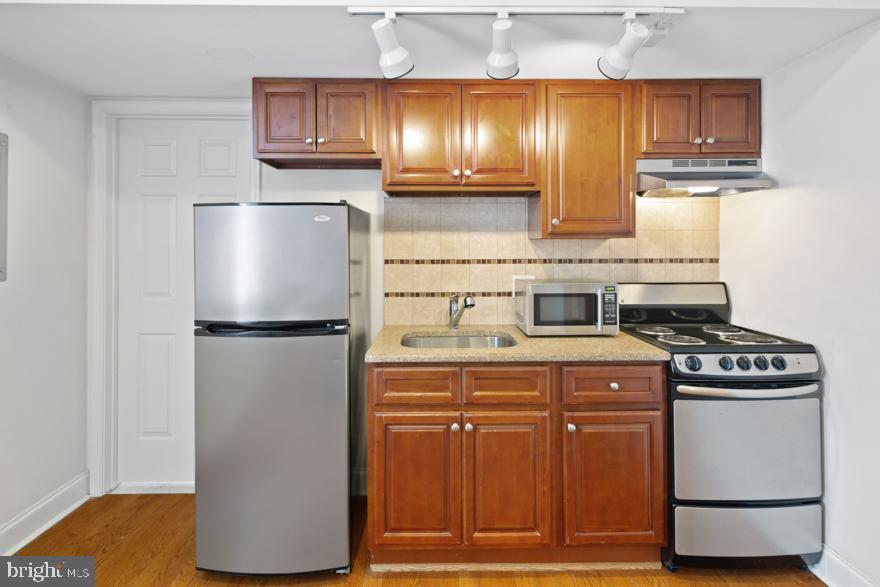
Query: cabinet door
284	117
424	134
731	120
507	478
498	134
589	144
346	117
415	487
613	480
670	117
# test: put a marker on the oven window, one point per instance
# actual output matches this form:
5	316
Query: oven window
576	309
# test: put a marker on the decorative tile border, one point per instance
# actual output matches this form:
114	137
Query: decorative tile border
446	294
551	261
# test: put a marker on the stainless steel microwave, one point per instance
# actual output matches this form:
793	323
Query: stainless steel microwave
565	308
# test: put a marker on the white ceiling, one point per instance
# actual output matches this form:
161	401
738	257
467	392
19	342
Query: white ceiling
166	50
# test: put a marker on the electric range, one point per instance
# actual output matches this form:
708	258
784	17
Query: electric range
744	430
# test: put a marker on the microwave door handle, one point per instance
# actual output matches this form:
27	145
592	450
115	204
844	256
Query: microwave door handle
600	317
747	393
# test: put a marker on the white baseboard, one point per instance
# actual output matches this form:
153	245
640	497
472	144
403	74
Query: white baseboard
44	514
836	571
161	487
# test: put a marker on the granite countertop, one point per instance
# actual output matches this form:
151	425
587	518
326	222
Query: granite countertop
386	347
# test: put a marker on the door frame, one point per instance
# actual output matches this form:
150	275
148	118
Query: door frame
102	253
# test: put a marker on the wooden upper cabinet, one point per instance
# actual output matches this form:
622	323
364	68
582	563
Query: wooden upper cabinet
700	118
590	159
415	482
731	113
507	498
498	134
423	144
284	117
613	479
347	117
671	115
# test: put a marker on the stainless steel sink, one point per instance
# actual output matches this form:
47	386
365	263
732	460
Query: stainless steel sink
457	341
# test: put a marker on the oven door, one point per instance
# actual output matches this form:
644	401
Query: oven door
748	442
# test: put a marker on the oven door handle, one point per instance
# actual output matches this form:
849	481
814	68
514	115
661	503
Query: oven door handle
747	393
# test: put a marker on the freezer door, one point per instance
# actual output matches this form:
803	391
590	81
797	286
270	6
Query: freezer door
272	453
748	532
271	263
747	450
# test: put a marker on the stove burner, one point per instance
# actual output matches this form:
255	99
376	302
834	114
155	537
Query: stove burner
655	330
722	329
748	338
681	339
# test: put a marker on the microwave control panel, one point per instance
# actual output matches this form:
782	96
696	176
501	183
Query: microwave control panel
609	306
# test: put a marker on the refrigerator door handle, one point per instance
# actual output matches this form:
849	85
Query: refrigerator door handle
270	332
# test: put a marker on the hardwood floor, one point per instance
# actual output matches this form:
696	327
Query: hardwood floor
149	540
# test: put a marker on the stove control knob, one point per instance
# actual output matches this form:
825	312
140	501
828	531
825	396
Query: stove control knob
761	362
693	363
725	363
779	363
744	363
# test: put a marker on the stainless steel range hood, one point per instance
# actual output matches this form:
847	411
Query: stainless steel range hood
699	177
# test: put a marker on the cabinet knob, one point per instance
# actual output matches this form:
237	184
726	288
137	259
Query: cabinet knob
456	173
321	140
309	140
555	222
698	141
467	173
571	428
454	427
710	140
614	386
468	427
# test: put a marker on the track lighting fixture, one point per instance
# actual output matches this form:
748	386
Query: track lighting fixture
617	60
503	62
393	59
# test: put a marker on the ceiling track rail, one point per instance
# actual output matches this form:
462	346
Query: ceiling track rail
625	11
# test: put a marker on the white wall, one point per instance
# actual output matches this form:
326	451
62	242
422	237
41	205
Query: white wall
802	260
42	304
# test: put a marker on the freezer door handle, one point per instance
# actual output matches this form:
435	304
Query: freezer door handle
748	393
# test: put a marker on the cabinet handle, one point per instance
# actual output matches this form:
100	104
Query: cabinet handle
710	140
614	386
555	222
467	173
698	141
456	173
321	140
309	140
454	427
572	428
468	427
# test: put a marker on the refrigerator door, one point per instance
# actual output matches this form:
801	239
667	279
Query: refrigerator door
272	452
271	262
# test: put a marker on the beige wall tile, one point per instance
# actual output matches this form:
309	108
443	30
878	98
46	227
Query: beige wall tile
511	230
652	271
505	276
596	272
426	216
539	249
567	249
705	244
567	271
705	272
624	272
427	244
622	248
482	217
398	215
679	272
651	244
398	311
454	237
483	245
455	278
595	248
506	311
398	245
650	214
539	271
706	213
679	243
483	277
398	278
430	311
426	278
484	312
678	215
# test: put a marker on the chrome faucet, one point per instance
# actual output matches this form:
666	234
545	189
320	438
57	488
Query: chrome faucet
455	311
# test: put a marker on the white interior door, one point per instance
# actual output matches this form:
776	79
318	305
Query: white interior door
165	166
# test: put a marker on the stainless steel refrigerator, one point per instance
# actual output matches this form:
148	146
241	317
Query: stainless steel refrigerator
280	325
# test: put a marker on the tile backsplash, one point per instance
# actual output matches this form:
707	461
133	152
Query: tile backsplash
438	246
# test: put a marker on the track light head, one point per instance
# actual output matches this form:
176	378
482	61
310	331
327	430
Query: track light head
502	62
617	59
393	59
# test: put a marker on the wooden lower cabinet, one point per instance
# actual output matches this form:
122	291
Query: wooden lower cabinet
484	463
613	478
